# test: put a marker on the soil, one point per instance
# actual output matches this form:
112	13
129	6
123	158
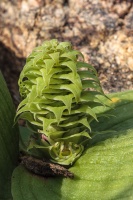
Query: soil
102	30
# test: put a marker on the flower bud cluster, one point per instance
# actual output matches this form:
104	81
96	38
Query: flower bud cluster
59	94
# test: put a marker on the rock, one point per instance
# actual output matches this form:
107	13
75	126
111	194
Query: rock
102	30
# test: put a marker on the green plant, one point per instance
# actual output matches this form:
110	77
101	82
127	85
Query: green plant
103	171
9	141
59	95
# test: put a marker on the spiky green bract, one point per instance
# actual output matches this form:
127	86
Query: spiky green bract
58	94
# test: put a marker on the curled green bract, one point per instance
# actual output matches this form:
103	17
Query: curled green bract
65	153
59	93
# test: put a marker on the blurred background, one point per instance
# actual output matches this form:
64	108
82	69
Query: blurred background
102	30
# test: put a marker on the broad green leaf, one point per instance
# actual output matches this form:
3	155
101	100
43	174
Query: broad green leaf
121	112
104	171
8	141
24	138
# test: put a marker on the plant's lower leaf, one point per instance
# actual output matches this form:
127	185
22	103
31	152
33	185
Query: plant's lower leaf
8	141
24	138
104	171
26	186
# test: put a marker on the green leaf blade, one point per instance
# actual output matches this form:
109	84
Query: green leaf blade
104	171
8	141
